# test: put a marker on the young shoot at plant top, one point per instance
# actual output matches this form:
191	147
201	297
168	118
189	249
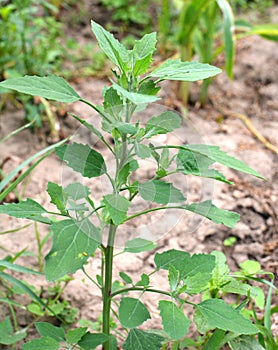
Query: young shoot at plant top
76	237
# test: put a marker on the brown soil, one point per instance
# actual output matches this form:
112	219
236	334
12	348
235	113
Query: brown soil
252	93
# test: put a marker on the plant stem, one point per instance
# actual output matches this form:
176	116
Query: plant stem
108	284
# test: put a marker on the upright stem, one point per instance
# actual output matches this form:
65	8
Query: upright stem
107	288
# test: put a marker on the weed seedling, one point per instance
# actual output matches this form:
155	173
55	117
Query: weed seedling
80	229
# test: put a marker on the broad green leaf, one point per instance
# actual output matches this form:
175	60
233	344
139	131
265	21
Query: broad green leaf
140	340
7	335
73	243
135	97
245	342
126	171
144	281
73	336
92	340
219	156
125	277
142	53
113	104
77	191
142	151
160	192
18	268
117	207
57	195
125	128
171	257
184	71
193	163
51	87
163	123
175	323
138	245
216	340
229	36
28	209
220	315
211	212
220	274
250	267
114	50
43	343
82	159
132	312
148	87
48	329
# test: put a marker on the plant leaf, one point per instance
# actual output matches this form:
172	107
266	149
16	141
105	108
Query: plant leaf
73	243
160	192
117	207
73	336
245	342
219	156
138	245
92	340
175	323
125	277
211	212
44	343
132	312
163	123
135	97
48	329
77	191
220	315
114	50
7	336
28	209
170	257
142	53
18	268
142	150
82	159
140	340
184	71
193	163
57	195
51	87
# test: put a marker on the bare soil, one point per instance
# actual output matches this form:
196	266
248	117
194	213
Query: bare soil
253	93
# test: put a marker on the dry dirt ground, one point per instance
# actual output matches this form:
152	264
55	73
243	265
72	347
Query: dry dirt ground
253	93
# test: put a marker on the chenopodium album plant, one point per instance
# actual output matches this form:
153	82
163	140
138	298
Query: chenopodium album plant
76	238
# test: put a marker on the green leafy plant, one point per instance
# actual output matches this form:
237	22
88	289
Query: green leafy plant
77	238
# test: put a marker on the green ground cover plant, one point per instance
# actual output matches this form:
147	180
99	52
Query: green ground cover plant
76	238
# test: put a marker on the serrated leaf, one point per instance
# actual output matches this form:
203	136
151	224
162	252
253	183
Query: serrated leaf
57	195
77	191
142	53
28	209
74	335
132	312
189	162
114	50
211	212
135	97
126	171
82	159
140	340
125	277
43	343
92	340
160	192
117	207
175	323
162	124
73	243
51	87
184	71
219	156
138	245
245	342
220	315
48	329
171	257
125	128
113	104
7	336
148	88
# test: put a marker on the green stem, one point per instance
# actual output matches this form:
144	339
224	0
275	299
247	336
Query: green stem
108	284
